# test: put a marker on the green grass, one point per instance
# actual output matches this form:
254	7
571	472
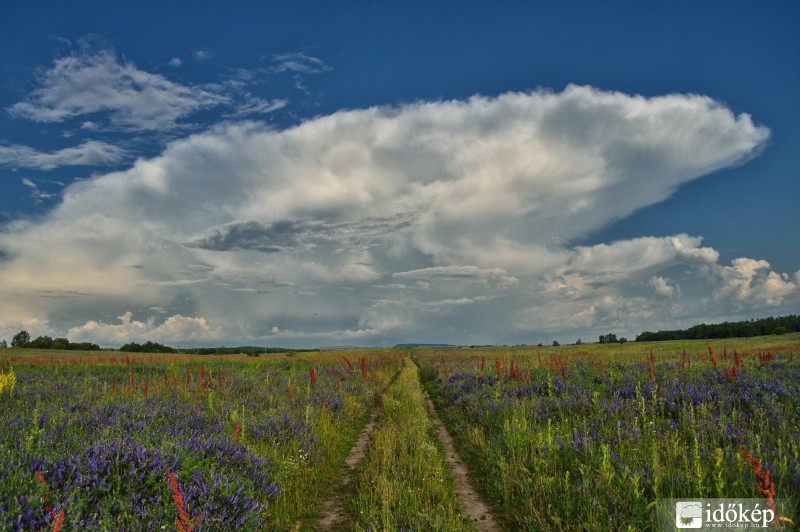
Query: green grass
577	448
70	414
404	483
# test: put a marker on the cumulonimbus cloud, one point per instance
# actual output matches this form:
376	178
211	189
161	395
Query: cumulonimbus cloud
429	219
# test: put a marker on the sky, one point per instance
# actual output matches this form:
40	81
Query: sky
370	173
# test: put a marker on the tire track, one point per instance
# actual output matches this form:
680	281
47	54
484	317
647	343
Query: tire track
332	512
472	506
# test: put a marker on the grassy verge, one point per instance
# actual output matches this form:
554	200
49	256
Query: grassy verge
404	484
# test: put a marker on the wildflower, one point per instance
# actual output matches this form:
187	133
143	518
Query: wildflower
763	484
7	381
182	521
349	364
59	521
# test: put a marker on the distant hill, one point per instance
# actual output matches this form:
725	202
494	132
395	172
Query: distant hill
409	346
242	349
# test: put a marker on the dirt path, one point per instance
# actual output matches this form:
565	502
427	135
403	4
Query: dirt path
332	512
472	507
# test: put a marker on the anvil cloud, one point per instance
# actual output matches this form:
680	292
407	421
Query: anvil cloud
437	221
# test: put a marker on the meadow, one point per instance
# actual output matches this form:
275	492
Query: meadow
570	437
122	442
590	437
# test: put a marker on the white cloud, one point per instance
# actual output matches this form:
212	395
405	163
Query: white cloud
446	221
253	105
90	153
750	282
298	62
36	193
662	286
202	54
469	274
88	83
174	329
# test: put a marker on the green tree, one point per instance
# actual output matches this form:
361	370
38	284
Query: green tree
609	338
21	339
60	343
41	342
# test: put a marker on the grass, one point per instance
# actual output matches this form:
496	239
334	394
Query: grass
404	483
86	441
558	440
576	437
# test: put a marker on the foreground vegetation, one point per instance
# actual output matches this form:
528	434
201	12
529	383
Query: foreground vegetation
582	439
113	442
404	484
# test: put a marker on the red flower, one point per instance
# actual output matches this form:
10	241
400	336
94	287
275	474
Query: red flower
182	521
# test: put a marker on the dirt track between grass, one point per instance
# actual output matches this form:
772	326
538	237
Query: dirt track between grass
472	506
332	515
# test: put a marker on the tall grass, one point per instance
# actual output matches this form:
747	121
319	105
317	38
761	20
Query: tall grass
101	431
404	483
593	438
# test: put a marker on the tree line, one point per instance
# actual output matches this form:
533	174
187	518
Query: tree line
738	329
23	339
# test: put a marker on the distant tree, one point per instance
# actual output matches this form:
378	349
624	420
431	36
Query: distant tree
623	340
555	343
750	328
579	342
780	330
41	342
609	338
60	343
21	339
3	343
83	346
147	347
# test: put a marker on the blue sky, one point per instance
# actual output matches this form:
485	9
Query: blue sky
374	173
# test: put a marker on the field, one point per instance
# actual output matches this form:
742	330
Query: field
573	437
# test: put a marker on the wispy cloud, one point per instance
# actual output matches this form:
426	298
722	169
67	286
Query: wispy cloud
92	82
202	54
437	220
253	105
90	153
36	193
298	62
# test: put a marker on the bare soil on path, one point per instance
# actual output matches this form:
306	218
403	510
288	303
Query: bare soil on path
332	512
333	515
472	506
